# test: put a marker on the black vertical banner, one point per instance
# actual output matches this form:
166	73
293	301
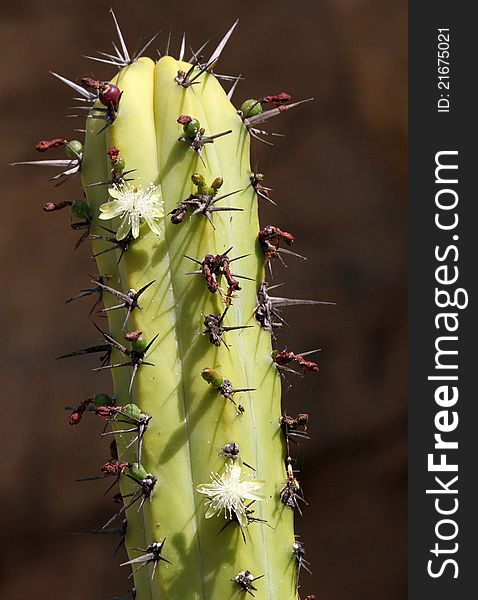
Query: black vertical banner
443	354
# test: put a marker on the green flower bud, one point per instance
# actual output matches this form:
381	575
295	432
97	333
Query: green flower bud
212	377
251	108
118	164
132	410
191	128
217	183
197	178
139	345
73	149
80	210
137	471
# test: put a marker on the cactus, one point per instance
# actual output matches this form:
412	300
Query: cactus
201	450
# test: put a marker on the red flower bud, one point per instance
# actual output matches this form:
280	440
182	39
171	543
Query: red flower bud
133	336
107	412
110	96
75	417
113	153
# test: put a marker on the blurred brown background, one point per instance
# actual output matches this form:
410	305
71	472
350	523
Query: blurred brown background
340	181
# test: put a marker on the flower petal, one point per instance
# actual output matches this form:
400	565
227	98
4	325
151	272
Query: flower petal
110	210
124	228
251	495
211	512
156	197
242	519
204	488
157	211
253	484
154	226
115	193
135	225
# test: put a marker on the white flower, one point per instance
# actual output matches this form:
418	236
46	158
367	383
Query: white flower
134	204
228	491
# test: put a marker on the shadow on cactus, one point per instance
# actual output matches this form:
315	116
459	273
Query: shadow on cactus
202	452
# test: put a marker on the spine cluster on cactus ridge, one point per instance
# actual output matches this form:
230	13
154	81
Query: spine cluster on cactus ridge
161	140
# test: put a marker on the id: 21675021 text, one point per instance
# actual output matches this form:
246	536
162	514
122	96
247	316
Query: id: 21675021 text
443	70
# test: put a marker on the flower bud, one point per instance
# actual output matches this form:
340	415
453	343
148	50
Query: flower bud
251	108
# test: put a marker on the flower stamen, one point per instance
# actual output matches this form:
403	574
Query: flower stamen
134	205
227	493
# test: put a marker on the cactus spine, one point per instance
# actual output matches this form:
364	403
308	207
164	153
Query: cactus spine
192	340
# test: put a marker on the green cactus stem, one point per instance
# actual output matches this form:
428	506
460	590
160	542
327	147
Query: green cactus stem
190	423
203	456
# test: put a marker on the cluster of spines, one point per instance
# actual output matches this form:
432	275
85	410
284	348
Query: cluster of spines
129	419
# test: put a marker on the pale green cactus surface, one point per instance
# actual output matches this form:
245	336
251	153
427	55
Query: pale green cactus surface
191	421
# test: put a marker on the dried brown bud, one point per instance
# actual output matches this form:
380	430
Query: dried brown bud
94	84
77	414
75	417
45	145
52	206
279	98
114	467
